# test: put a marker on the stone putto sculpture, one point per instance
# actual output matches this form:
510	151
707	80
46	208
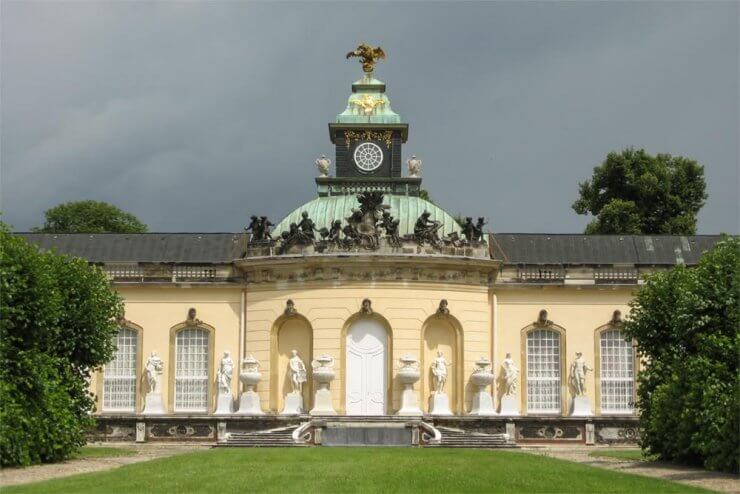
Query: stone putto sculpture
443	309
154	368
439	370
366	307
224	374
260	228
425	230
511	375
578	370
290	309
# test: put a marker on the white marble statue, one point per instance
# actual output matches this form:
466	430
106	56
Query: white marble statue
297	370
154	368
511	375
225	373
439	370
323	164
578	370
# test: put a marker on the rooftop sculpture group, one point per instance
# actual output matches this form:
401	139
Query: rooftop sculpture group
363	229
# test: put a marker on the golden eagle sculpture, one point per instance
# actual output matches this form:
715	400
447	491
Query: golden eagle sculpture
368	56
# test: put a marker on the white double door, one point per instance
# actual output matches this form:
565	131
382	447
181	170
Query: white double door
367	364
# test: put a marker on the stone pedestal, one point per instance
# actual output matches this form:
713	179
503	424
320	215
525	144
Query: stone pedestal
409	402
509	406
224	404
482	405
153	404
408	374
439	404
293	404
249	404
322	403
581	407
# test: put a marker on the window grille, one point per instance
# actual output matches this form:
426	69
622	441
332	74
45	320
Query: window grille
541	273
543	371
617	372
611	274
119	377
196	272
191	371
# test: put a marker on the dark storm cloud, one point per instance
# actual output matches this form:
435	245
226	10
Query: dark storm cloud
193	115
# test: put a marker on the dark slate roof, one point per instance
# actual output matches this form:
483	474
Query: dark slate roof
512	248
536	248
215	248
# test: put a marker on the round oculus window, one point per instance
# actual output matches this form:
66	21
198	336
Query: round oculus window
368	156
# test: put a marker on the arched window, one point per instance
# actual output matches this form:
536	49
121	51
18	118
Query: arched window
191	370
119	378
617	372
543	371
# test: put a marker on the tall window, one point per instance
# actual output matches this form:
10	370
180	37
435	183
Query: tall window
191	372
119	378
543	371
617	372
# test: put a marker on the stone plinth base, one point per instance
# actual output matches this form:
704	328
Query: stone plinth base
249	404
509	406
322	404
439	404
153	404
482	404
409	403
581	407
224	405
293	404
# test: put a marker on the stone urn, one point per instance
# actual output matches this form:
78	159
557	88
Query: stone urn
481	378
250	375
408	374
323	374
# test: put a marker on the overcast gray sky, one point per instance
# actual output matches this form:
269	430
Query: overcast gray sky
194	115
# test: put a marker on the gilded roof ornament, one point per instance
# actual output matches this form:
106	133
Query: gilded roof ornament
368	56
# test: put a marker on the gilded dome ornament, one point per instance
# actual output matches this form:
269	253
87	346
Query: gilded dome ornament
368	56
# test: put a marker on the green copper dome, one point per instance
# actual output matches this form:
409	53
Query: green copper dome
324	210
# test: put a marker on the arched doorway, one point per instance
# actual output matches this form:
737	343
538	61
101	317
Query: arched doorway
366	368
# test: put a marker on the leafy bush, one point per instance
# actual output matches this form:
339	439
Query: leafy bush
685	322
58	321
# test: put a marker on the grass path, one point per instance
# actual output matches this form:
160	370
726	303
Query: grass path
366	470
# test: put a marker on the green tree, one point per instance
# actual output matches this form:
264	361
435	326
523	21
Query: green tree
90	217
685	322
58	322
633	192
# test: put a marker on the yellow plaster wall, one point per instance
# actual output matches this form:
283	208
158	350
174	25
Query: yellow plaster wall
157	309
406	307
580	312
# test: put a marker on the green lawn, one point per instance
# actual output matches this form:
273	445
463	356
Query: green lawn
623	454
340	470
102	452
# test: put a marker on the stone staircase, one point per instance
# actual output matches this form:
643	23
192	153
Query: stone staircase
458	438
272	438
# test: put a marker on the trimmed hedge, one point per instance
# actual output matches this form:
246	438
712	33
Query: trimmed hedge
58	322
685	322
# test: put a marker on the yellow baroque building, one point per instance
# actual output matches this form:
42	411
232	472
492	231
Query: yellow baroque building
411	327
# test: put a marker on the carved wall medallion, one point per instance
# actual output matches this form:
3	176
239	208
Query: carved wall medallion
290	309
